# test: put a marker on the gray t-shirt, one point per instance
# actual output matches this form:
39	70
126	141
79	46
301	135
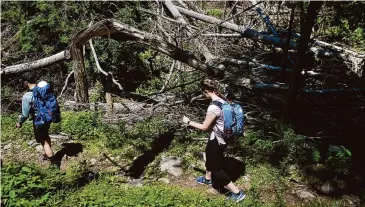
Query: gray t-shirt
219	122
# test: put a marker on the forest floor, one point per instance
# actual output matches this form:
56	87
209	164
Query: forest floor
131	167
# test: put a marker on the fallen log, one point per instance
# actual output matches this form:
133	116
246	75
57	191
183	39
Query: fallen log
44	62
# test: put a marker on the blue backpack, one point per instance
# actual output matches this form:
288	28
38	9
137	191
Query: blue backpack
46	104
233	116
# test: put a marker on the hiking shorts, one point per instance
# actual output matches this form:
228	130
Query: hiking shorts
41	133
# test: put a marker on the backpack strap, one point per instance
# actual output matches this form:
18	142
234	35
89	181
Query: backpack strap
217	103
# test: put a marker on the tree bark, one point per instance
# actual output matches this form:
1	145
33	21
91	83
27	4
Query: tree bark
306	30
44	62
108	96
78	66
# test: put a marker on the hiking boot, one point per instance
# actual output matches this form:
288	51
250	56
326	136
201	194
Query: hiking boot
237	197
202	180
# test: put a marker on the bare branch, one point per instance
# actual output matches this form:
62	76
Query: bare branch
169	76
66	82
99	67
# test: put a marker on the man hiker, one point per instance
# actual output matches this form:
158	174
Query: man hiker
29	109
216	144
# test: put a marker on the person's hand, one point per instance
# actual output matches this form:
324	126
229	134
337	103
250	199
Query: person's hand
18	125
186	120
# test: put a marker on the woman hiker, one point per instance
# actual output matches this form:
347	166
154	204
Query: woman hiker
216	145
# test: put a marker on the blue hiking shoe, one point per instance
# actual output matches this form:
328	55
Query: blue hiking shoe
202	180
237	197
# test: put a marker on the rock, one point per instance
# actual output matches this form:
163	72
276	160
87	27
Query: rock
172	165
305	195
164	180
247	182
8	146
317	173
332	187
39	148
93	161
212	191
327	188
246	178
58	137
136	182
351	200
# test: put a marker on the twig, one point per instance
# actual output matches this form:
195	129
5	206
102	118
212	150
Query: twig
168	89
115	163
167	81
66	82
163	104
200	139
195	98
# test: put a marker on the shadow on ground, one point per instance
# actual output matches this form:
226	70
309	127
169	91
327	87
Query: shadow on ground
69	149
234	169
158	145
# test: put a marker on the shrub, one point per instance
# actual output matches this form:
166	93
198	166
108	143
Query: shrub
339	159
23	186
9	132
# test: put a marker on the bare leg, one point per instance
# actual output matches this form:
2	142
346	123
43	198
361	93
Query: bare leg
47	147
208	175
232	187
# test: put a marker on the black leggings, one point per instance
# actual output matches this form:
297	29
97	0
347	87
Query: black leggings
214	162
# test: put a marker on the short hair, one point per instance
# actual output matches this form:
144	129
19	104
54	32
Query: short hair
28	77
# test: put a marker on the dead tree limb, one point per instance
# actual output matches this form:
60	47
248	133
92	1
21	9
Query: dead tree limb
167	81
175	12
66	82
99	67
246	32
265	18
120	31
44	62
206	52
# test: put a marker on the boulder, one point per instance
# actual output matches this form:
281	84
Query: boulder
172	165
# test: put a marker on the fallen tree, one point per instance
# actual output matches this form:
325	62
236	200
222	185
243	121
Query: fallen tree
44	62
357	59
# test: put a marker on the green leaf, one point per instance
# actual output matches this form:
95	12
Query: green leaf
316	156
26	169
12	194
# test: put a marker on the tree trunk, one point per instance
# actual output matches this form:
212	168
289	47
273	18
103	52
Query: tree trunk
305	32
78	66
108	96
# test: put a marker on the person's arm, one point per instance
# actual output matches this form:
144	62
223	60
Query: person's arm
26	101
209	119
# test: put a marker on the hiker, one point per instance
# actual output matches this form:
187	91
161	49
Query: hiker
29	108
216	144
